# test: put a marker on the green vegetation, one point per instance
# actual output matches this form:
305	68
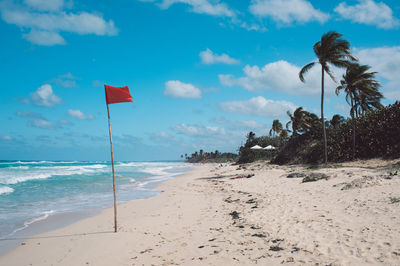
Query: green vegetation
247	155
394	199
276	128
362	93
214	157
393	174
377	135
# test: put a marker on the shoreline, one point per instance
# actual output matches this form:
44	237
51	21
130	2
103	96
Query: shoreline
63	219
52	222
228	216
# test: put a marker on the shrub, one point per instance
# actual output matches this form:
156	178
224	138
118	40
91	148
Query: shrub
377	135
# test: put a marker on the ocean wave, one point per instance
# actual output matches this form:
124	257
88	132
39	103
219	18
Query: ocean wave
6	190
11	179
8	177
18	167
44	216
147	164
72	168
38	162
159	171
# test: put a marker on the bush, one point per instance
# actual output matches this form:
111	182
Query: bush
377	135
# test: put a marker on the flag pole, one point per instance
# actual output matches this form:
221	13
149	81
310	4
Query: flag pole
113	171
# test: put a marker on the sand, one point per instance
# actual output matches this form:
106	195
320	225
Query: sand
225	216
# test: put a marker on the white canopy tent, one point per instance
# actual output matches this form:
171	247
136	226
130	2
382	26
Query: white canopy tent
256	147
269	147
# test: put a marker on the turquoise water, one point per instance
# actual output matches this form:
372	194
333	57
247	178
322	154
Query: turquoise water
31	191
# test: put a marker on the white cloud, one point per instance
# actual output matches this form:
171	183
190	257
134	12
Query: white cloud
41	123
370	13
213	8
65	122
6	138
80	115
287	11
198	130
29	114
68	75
238	124
82	23
385	61
178	89
245	124
46	38
44	27
258	106
44	96
66	80
162	137
280	75
208	57
254	27
45	5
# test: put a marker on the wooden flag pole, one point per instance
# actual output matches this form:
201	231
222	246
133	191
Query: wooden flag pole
113	171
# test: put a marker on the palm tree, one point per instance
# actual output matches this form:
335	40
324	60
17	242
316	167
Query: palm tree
276	127
283	136
311	121
330	50
362	93
299	121
370	101
336	121
250	137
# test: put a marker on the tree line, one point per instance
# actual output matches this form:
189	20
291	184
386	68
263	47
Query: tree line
216	156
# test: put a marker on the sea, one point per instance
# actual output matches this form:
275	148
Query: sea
33	191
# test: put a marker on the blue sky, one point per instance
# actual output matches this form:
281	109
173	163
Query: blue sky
203	73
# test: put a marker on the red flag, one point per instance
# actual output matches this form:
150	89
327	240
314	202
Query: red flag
117	94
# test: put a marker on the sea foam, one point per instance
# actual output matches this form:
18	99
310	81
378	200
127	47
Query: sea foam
18	175
6	190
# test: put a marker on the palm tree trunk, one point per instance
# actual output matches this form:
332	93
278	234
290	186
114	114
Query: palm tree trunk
354	129
322	116
357	104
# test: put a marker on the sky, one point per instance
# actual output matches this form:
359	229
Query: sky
202	73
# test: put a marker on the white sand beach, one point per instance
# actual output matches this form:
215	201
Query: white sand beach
217	216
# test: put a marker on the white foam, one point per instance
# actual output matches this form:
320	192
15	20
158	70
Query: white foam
6	190
39	162
8	177
44	216
18	167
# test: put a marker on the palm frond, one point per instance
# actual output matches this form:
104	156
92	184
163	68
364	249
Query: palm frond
304	70
338	89
287	126
329	72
